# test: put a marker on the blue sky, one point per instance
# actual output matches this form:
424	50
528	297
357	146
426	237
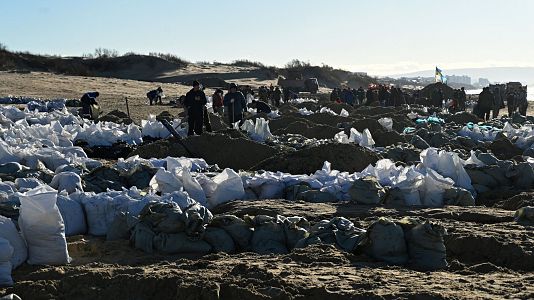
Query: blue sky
380	36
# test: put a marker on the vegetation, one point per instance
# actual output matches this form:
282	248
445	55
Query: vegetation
170	58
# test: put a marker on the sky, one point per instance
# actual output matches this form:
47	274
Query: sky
381	37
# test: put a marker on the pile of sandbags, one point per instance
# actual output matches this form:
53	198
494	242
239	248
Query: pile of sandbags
419	244
169	229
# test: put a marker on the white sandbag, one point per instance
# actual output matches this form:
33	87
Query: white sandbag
341	137
72	214
272	190
179	197
25	184
6	153
193	188
433	188
67	181
367	139
387	123
7	187
165	182
9	231
42	227
344	113
229	188
6	253
101	210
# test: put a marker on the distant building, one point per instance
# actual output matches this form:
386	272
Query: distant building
459	79
483	82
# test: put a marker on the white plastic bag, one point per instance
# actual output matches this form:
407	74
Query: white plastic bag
6	253
42	227
229	187
9	231
67	181
387	123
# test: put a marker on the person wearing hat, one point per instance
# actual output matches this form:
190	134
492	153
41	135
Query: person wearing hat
235	103
195	101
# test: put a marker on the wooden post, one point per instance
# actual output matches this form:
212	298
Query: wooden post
127	107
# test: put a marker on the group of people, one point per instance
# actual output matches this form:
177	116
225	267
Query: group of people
493	101
380	94
270	95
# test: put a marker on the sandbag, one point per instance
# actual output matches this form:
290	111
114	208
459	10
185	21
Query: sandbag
295	229
72	214
165	182
9	231
67	181
219	240
142	238
6	254
268	236
193	188
386	242
458	196
426	246
292	192
315	196
177	243
101	211
525	215
272	190
197	218
118	229
367	190
237	228
26	184
229	188
387	123
163	217
338	231
42	227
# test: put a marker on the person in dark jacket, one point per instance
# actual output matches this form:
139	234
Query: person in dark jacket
155	95
462	99
277	95
235	103
370	97
360	95
195	101
347	96
217	99
88	100
511	103
498	103
485	104
437	97
260	106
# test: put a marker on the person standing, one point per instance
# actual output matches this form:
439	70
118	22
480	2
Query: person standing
360	95
498	103
195	101
485	103
235	103
510	102
462	98
277	95
217	100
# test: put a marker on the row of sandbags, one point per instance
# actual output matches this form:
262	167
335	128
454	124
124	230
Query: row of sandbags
165	228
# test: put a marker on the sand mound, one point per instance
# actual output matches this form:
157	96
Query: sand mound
312	132
215	148
344	157
463	118
116	116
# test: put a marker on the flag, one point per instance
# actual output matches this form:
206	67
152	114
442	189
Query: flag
439	75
